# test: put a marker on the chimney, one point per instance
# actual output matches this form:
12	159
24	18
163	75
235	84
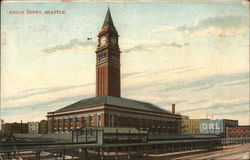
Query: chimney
173	108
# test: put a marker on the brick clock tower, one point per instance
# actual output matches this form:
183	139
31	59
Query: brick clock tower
108	60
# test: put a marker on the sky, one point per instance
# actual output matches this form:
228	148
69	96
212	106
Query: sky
192	54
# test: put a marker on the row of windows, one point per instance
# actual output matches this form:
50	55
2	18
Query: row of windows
69	117
112	57
135	122
143	120
77	119
120	121
61	128
83	119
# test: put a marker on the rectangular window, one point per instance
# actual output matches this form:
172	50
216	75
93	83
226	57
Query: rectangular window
77	119
99	120
91	118
84	119
60	120
101	57
111	120
66	120
114	58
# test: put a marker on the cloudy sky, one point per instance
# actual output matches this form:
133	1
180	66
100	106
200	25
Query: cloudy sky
193	54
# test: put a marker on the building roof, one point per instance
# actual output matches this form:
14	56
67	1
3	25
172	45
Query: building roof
108	22
116	101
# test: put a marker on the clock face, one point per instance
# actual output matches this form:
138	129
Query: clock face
113	40
103	40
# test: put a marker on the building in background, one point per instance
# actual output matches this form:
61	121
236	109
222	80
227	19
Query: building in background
33	127
239	131
217	127
1	123
190	126
43	127
11	128
184	117
108	108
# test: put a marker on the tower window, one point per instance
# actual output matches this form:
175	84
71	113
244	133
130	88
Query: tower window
114	58
101	57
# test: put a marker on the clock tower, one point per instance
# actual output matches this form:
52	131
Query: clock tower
108	60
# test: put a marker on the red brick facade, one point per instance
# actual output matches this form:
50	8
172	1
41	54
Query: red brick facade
240	131
11	128
109	116
107	79
108	61
43	127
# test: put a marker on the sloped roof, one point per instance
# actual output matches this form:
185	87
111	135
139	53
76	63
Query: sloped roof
110	100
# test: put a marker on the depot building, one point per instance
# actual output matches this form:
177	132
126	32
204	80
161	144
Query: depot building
108	108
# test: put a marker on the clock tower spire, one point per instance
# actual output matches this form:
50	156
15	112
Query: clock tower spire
108	81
